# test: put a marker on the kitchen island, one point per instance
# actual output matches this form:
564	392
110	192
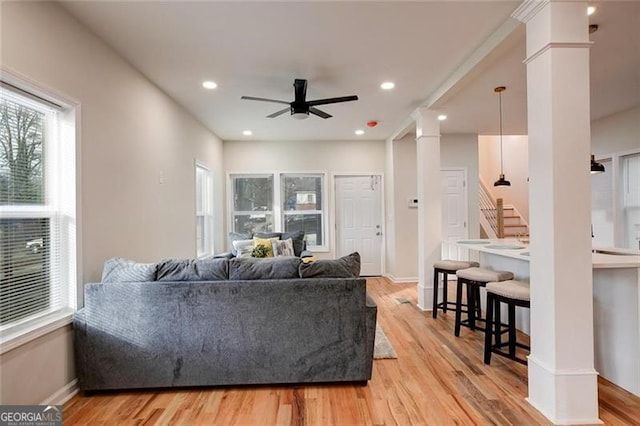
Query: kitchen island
616	302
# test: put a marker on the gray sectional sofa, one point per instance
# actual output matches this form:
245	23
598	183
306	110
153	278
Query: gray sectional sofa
192	326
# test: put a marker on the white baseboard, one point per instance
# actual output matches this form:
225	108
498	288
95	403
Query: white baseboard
401	280
63	394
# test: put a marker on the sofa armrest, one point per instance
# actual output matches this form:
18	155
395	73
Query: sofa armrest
225	255
371	313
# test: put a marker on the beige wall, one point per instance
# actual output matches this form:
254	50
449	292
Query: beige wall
130	134
330	157
616	133
516	169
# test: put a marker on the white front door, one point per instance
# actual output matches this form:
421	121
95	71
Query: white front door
454	212
359	220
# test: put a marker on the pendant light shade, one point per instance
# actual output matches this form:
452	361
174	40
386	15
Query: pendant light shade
596	167
501	181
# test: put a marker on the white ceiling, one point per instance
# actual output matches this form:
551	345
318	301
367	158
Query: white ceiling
349	48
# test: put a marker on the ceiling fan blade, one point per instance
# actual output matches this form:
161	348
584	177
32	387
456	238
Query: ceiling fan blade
332	100
277	113
319	113
300	90
252	98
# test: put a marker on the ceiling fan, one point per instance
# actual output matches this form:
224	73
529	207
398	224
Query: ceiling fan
300	107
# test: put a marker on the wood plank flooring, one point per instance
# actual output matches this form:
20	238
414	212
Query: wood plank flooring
438	379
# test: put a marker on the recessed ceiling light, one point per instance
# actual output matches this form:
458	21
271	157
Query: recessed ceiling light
591	10
387	85
359	132
247	132
442	117
209	84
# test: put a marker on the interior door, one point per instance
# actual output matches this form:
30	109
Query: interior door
454	213
359	220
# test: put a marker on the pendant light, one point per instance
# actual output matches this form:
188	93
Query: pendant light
596	167
502	181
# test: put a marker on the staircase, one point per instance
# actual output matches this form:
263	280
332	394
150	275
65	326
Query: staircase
498	220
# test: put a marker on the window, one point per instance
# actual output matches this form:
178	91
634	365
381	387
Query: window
252	203
302	206
204	212
284	202
37	211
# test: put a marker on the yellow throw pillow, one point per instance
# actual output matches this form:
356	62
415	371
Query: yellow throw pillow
266	242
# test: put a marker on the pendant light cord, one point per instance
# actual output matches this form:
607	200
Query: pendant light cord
500	98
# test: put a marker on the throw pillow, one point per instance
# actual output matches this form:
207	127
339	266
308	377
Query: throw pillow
243	248
271	268
266	242
297	237
282	248
236	236
118	269
209	269
345	267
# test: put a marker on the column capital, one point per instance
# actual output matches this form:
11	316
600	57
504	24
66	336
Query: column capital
427	123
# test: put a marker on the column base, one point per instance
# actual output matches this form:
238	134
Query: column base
565	397
425	297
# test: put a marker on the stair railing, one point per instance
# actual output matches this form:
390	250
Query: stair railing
488	212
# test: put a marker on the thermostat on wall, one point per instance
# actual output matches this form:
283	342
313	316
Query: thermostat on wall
413	202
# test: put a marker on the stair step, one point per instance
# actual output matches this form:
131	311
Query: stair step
515	225
515	235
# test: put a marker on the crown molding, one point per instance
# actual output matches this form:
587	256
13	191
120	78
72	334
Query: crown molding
528	9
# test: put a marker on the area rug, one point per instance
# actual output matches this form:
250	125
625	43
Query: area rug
382	348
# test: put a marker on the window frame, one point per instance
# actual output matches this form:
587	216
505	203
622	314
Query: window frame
321	212
206	191
60	206
278	213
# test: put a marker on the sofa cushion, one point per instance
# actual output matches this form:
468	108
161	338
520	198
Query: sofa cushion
345	267
209	269
282	248
118	269
243	248
235	236
271	268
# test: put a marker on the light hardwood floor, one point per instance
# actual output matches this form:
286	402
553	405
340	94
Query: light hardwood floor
438	379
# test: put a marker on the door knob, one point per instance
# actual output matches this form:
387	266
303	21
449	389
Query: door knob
378	233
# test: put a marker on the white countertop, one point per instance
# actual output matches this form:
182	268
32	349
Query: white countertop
603	257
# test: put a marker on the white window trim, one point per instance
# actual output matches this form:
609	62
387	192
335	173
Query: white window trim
33	328
277	212
207	211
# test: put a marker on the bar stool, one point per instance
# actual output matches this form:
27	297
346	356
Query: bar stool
446	267
474	278
513	293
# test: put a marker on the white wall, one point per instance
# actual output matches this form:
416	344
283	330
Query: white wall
330	157
516	169
130	133
616	133
461	150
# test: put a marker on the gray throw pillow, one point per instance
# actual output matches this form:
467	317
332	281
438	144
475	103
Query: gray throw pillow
297	238
272	268
235	236
243	248
122	270
345	267
210	269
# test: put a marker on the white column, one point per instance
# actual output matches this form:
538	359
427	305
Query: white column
562	379
429	201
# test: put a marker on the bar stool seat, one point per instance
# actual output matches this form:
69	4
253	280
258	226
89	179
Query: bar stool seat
474	278
446	267
512	293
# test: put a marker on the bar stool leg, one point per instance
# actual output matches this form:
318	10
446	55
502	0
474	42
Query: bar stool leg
471	305
497	320
445	279
436	274
458	307
488	332
512	330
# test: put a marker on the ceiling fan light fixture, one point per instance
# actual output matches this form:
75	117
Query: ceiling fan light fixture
300	115
595	166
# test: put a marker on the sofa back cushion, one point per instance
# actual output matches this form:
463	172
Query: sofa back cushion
345	267
118	269
193	270
271	268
